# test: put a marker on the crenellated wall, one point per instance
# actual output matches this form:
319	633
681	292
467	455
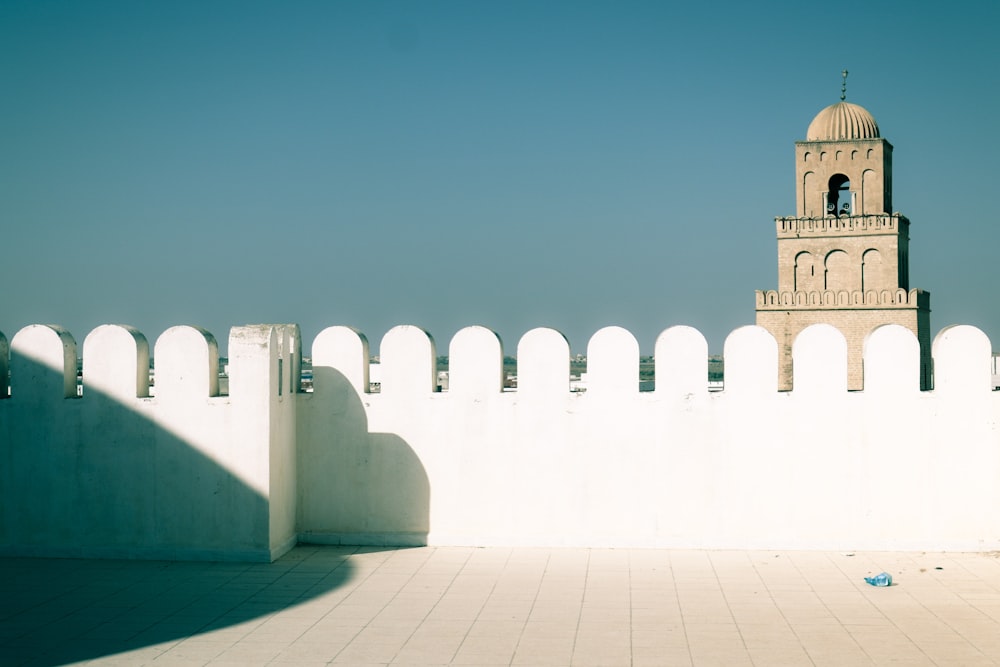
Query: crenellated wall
113	472
847	225
189	474
811	300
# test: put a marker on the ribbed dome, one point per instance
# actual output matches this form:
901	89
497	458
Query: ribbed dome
842	120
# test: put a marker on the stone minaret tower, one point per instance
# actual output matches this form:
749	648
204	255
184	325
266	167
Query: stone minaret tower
843	258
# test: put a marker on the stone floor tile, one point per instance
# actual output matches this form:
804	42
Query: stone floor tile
471	659
506	606
251	651
548	632
364	652
673	657
779	656
243	661
724	655
308	651
505	646
427	653
194	649
548	652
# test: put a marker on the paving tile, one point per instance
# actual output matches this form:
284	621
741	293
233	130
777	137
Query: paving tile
425	654
720	655
680	657
367	652
488	659
548	630
505	646
549	651
455	606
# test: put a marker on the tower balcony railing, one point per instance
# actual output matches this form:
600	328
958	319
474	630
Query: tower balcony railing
846	225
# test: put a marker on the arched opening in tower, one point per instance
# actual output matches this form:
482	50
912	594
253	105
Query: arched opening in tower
838	196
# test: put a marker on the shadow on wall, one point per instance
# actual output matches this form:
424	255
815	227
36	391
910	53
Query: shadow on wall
106	476
177	476
355	487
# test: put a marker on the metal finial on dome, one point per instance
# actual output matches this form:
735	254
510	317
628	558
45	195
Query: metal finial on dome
843	86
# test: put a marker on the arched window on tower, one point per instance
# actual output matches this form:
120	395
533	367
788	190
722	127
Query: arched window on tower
837	273
805	276
872	276
839	198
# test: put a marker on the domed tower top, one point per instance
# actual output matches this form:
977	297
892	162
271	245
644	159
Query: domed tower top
844	166
842	121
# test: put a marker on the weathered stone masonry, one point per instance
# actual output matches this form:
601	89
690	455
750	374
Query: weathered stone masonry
843	258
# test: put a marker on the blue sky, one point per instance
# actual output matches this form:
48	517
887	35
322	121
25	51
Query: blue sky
444	164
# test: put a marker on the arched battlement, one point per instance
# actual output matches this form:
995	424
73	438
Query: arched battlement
613	362
962	356
541	465
475	363
116	356
187	364
345	350
116	362
891	361
42	363
680	355
844	225
819	361
766	298
408	356
751	355
774	300
543	363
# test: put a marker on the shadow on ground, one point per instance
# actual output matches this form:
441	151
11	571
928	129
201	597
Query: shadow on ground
59	611
97	476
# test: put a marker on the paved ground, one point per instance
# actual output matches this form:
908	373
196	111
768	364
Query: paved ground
464	606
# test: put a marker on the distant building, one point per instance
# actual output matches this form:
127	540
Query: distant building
843	258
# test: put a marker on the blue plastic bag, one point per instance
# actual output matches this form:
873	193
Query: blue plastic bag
883	579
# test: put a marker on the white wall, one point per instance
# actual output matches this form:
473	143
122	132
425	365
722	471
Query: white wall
189	474
818	467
